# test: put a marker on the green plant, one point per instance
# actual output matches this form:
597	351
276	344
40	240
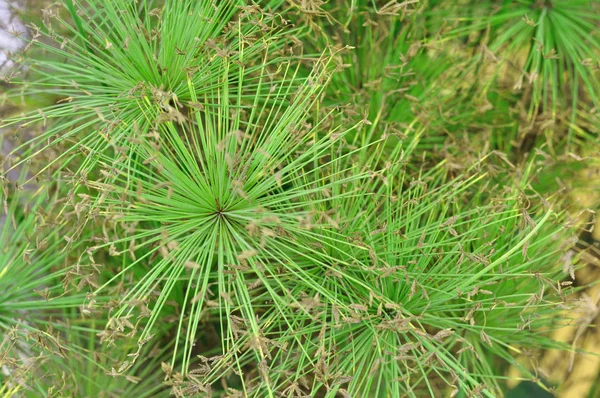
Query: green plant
30	259
384	76
102	82
447	298
550	46
88	368
222	202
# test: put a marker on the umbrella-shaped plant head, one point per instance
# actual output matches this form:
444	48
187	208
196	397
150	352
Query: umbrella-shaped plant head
116	63
223	204
549	48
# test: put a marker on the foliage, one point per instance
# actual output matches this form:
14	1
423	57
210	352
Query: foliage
550	46
294	198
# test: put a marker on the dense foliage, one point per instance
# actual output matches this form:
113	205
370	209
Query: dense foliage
352	198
